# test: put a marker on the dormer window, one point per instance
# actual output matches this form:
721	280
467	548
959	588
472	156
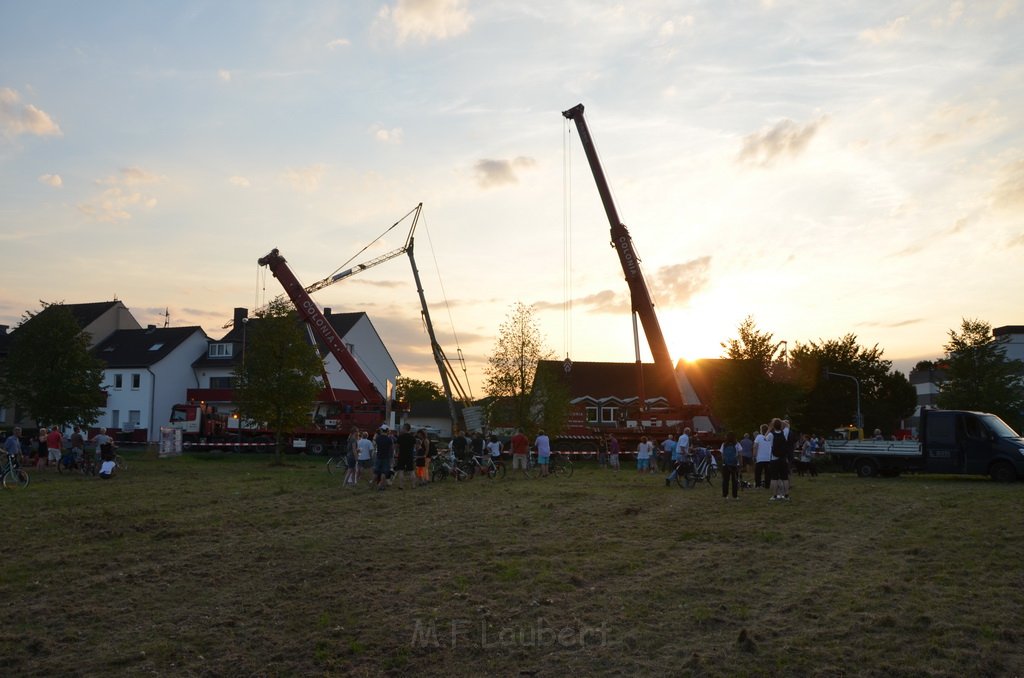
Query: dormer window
221	350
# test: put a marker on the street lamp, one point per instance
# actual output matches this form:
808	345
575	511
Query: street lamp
860	419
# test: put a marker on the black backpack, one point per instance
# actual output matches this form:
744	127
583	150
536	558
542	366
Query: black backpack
779	445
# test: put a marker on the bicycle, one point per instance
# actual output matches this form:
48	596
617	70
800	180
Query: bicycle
119	463
491	468
706	468
443	466
686	474
13	474
336	464
559	465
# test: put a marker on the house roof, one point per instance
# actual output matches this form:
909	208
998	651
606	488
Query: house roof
142	348
600	379
1008	329
86	314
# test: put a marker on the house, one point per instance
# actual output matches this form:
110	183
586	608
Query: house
215	368
147	371
432	415
98	320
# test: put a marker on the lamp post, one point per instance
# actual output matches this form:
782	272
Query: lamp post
245	324
856	381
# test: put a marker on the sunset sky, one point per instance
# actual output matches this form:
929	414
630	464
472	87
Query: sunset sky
824	167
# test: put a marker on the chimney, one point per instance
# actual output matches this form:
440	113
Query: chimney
327	311
150	328
3	329
240	315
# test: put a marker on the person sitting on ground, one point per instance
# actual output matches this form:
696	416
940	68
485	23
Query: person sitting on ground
107	469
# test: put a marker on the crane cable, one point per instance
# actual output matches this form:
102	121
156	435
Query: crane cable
448	308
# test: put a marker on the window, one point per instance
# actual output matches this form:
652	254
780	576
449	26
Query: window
156	347
220	350
591	415
118	382
115	418
134	419
136	381
608	413
222	382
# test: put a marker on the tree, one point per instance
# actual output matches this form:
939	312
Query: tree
50	372
277	381
550	401
751	388
980	376
512	365
885	396
418	390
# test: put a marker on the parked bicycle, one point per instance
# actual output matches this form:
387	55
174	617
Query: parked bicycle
559	465
444	466
13	475
495	470
705	466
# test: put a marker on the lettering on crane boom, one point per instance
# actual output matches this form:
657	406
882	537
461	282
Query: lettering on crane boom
319	322
627	256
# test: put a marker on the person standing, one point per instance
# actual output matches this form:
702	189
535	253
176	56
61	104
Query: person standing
405	464
494	449
54	445
459	445
351	458
543	445
730	466
668	452
762	458
780	463
77	445
643	455
746	453
613	451
365	454
477	447
382	464
520	445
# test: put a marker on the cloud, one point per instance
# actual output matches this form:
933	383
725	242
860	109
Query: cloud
387	136
426	20
380	283
491	173
892	325
605	301
1016	242
339	42
224	75
53	180
887	33
675	285
675	26
240	182
17	118
117	202
786	137
1009	194
306	179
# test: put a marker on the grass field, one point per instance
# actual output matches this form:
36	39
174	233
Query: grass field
230	566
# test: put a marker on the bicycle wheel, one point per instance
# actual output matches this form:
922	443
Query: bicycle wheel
15	477
565	468
496	472
439	472
686	480
335	464
120	463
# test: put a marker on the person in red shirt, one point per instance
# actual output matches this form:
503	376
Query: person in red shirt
520	450
54	444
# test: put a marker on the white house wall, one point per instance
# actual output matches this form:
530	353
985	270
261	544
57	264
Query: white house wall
370	353
174	378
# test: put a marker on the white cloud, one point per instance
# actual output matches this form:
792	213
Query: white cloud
785	137
306	179
117	202
53	180
887	33
241	182
675	26
1009	194
387	136
491	173
339	42
224	75
17	118
425	20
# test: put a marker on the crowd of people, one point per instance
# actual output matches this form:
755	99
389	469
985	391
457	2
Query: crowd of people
54	450
773	453
403	458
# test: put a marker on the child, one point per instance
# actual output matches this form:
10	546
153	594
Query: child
107	469
643	455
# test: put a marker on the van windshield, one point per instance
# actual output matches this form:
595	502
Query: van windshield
998	427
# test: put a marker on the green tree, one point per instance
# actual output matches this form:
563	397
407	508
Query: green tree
418	390
753	386
50	372
277	381
550	400
980	376
885	396
513	363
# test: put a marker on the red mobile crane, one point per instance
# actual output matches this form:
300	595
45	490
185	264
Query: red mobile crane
319	324
640	296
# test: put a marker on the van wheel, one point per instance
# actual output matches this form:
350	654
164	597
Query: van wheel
1003	472
865	468
317	448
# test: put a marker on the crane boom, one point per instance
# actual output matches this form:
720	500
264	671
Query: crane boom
640	296
320	326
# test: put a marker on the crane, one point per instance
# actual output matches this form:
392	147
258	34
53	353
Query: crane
319	325
640	296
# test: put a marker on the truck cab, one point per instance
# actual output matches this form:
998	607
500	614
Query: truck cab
956	441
